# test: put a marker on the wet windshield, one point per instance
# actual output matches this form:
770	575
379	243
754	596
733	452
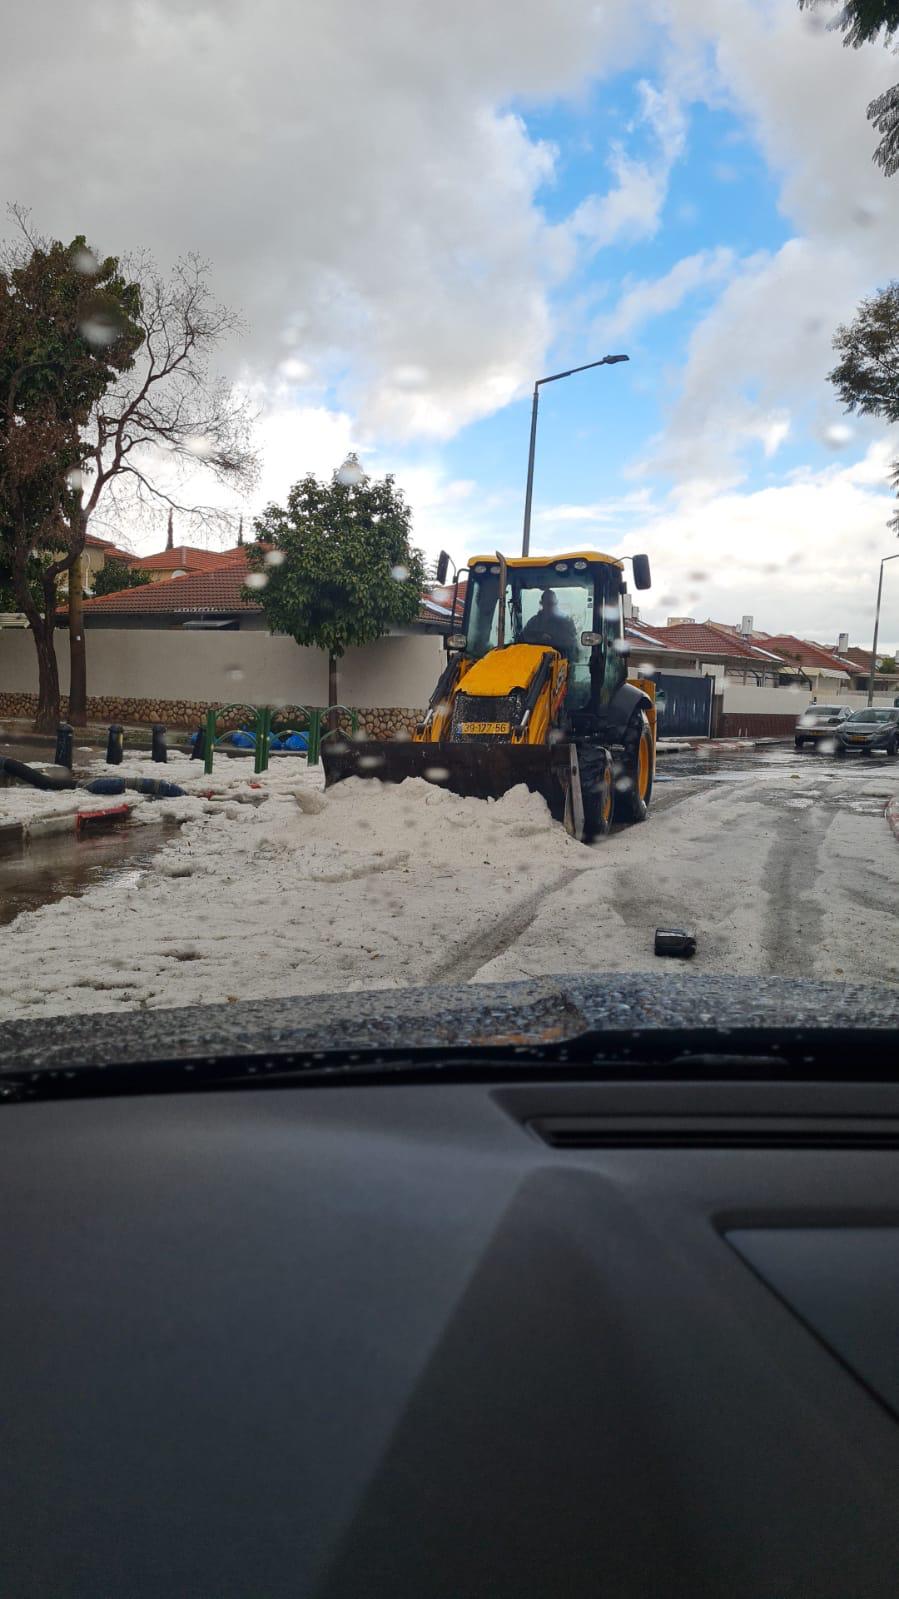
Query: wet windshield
301	308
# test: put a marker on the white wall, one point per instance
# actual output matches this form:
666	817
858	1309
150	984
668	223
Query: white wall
171	663
748	699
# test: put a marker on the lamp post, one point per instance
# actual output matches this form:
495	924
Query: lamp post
607	360
876	627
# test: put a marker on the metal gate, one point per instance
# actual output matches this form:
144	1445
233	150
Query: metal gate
688	705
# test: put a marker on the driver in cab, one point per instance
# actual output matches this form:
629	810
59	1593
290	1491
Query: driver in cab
550	626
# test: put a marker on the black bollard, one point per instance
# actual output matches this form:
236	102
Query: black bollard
114	744
158	750
64	736
198	752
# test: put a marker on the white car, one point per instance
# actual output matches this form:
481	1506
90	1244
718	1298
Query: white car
820	721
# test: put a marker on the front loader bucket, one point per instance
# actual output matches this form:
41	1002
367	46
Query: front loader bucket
483	771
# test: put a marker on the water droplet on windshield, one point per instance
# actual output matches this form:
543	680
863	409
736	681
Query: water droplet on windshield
399	573
86	262
837	435
275	558
100	331
350	473
256	580
235	673
436	774
75	479
621	646
201	445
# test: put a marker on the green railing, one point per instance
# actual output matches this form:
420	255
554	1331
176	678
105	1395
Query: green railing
266	721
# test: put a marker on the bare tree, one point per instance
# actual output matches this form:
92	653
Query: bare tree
164	418
119	418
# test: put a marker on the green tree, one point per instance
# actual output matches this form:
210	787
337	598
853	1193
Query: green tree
866	377
335	567
67	329
115	575
861	22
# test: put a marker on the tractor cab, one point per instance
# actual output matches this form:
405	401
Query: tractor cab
570	603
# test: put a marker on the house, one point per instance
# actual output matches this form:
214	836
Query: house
702	648
827	674
178	561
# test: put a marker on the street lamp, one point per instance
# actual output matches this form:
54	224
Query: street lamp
607	360
876	626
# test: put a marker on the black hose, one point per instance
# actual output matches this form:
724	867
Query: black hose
30	774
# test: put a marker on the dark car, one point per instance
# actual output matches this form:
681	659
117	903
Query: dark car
820	722
870	729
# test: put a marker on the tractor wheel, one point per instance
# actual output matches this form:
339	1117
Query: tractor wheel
633	784
598	798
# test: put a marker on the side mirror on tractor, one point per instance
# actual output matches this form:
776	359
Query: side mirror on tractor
642	578
442	566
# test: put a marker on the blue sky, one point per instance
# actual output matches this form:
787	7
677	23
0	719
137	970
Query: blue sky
420	210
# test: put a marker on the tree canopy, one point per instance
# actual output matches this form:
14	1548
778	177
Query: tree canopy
115	575
866	377
336	563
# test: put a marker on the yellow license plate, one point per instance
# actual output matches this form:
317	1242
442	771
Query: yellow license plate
486	727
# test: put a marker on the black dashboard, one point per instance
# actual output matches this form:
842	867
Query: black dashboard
452	1340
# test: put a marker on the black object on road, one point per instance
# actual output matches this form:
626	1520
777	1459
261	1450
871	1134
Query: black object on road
674	941
158	749
114	744
64	737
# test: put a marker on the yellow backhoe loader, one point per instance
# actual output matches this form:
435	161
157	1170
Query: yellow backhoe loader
535	691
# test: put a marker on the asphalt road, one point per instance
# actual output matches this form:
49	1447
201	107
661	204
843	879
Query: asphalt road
781	862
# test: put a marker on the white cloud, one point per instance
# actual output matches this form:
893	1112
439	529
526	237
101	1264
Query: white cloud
652	297
801	556
351	171
632	208
765	347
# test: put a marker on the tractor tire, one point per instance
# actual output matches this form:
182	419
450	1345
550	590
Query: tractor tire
598	795
633	783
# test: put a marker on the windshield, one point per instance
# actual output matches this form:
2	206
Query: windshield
301	308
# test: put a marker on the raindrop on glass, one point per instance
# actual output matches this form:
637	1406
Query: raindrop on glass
75	479
350	473
399	573
235	673
275	558
200	445
621	646
256	580
436	774
85	262
99	331
837	435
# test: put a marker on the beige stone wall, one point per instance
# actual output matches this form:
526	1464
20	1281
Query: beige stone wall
375	721
174	666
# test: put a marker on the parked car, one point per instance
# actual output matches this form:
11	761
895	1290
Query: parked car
820	721
870	729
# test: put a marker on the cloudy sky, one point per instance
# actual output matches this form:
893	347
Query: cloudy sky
421	208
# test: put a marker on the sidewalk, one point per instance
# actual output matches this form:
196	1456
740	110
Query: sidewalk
679	746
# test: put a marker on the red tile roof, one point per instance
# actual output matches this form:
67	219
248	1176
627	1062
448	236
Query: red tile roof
183	558
215	590
701	639
813	655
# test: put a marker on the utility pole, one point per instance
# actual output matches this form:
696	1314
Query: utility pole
607	360
877	627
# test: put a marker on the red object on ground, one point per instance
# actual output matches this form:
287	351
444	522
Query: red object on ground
115	813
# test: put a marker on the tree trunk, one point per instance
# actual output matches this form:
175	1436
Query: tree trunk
77	651
332	690
48	714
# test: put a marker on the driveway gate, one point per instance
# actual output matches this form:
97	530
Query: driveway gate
688	705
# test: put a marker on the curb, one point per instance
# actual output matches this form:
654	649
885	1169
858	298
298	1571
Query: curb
891	812
16	835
